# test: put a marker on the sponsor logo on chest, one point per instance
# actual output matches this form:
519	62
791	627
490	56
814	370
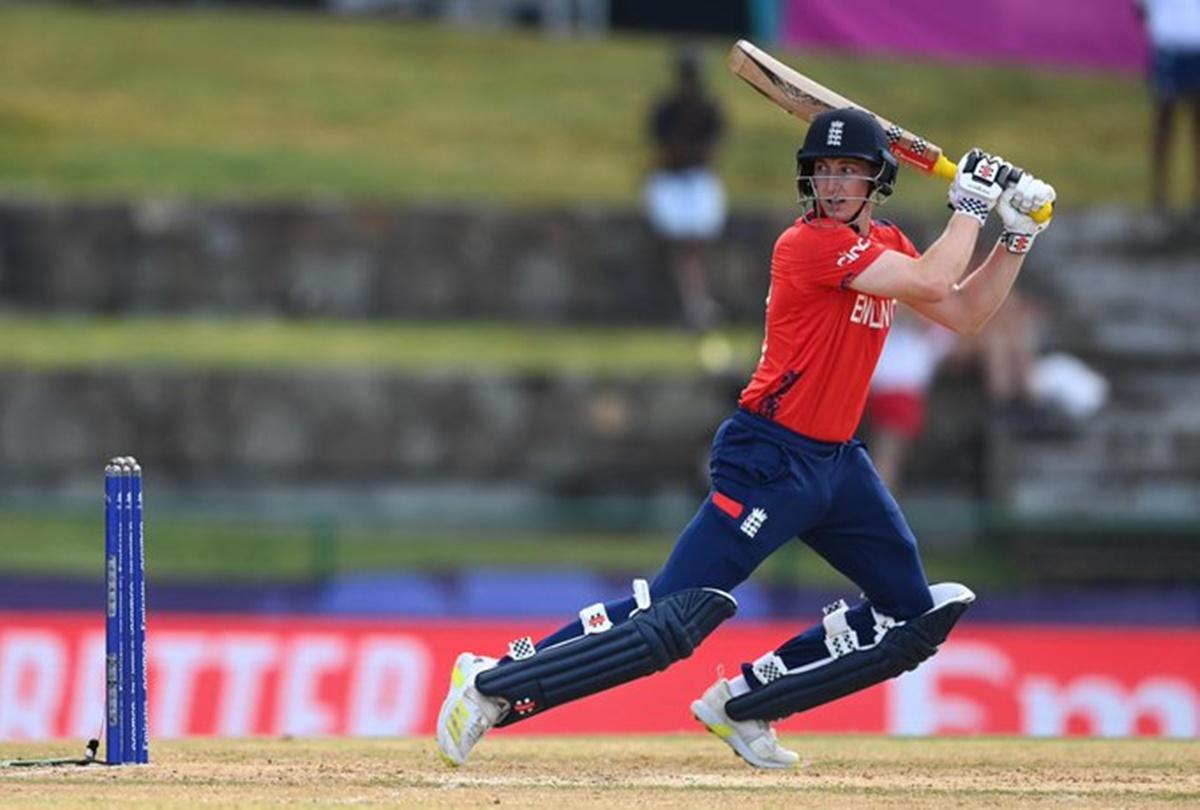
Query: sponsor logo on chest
872	312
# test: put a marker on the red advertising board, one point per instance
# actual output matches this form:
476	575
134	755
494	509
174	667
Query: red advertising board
218	675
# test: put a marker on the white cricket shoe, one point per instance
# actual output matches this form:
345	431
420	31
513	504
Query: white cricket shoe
466	715
752	740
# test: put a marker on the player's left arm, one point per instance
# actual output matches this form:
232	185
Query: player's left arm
974	300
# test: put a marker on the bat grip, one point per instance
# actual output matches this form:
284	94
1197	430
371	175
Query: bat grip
1043	214
1039	216
948	169
945	168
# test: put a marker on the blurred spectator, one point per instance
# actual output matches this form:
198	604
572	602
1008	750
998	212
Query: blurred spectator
896	403
1028	393
1066	383
1173	28
556	17
1006	352
685	198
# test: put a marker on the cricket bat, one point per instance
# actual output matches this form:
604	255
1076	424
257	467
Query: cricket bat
805	98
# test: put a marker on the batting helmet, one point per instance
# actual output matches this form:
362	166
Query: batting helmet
847	133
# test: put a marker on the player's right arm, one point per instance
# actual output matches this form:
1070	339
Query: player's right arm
976	298
931	278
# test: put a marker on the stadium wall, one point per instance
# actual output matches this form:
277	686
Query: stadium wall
1117	292
234	676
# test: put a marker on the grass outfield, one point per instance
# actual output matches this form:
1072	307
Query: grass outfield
218	104
669	771
53	543
220	343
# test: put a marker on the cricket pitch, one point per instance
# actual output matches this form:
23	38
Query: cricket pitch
647	771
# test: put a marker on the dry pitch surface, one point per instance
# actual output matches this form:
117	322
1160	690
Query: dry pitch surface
670	771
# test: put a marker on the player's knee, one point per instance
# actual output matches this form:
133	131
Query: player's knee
943	593
919	601
913	604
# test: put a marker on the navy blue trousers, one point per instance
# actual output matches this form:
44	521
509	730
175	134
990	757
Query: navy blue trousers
771	485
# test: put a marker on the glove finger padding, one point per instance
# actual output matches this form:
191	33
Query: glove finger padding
978	184
1030	194
1016	206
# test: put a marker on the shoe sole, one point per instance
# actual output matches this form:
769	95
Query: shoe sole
453	698
444	747
727	735
446	758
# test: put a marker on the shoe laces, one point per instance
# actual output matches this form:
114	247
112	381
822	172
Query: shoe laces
478	727
768	730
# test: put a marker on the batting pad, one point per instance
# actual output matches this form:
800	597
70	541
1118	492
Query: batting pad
650	641
902	647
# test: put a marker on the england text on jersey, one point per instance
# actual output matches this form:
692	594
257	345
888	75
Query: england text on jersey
876	313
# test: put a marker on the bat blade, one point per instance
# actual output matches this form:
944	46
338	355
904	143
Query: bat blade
806	99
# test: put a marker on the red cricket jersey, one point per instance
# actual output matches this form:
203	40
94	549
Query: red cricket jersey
823	339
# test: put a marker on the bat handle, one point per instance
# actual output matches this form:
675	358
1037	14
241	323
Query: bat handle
947	169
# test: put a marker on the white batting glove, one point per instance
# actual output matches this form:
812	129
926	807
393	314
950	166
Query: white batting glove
978	184
1015	207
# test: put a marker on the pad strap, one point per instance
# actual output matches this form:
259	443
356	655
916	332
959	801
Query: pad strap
769	668
521	648
840	637
594	619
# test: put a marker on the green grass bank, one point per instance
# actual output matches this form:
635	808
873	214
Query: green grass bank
254	104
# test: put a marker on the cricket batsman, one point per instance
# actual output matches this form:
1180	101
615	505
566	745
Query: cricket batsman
785	465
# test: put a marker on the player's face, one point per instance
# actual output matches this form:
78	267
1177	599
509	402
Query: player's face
842	184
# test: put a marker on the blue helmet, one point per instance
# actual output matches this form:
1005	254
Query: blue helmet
847	133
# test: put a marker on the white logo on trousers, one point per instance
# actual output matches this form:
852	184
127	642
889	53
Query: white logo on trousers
754	522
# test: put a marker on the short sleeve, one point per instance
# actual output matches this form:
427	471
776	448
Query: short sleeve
904	245
825	257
